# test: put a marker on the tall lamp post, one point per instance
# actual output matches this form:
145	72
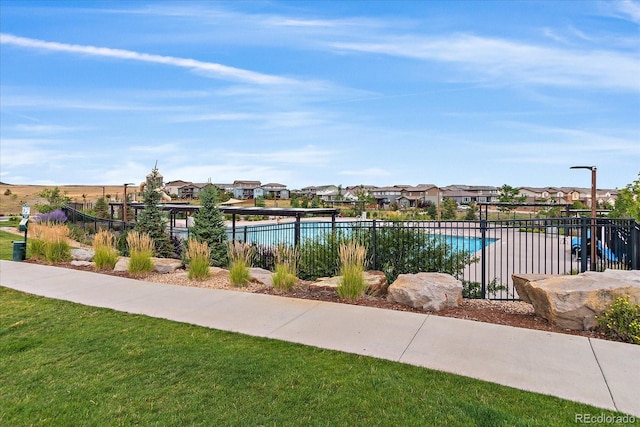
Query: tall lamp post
593	212
124	203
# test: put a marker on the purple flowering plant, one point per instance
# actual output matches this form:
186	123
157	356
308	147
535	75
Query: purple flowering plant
54	217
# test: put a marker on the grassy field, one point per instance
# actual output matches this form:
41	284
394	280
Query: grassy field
12	197
67	364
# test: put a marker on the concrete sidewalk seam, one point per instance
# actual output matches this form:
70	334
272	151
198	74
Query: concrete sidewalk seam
604	377
316	305
413	338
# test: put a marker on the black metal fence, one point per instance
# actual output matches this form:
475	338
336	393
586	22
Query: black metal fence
482	254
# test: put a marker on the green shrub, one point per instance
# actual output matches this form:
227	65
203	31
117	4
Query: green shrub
36	248
621	321
283	279
352	258
286	268
197	254
474	289
106	255
240	256
49	242
79	234
209	226
140	252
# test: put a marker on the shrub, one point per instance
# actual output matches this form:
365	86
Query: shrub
622	321
352	259
140	252
286	268
474	289
198	254
36	243
106	255
240	257
209	226
79	234
53	217
150	219
49	242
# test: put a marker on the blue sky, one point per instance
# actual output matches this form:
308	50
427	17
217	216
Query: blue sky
326	92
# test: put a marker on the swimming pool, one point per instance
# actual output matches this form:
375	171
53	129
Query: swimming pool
272	235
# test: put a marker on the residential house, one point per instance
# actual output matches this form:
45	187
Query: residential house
245	189
465	194
543	195
274	190
386	196
414	197
172	187
192	190
328	193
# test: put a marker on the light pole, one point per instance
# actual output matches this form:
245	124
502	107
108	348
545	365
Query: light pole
594	203
124	203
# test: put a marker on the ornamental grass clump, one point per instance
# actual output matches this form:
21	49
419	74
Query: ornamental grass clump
240	257
197	255
286	268
352	284
105	253
36	243
140	252
621	321
49	242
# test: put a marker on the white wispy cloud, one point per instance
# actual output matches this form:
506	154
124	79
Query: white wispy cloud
511	61
627	9
209	68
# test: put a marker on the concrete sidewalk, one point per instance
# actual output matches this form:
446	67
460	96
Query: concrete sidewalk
601	373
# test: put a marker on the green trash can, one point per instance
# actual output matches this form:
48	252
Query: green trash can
19	251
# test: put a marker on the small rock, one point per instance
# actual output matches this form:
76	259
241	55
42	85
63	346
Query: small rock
122	264
166	265
262	276
219	272
78	263
82	254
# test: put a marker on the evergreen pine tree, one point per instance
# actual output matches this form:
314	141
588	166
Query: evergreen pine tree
209	227
151	221
102	208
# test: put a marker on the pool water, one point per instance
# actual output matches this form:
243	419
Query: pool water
274	235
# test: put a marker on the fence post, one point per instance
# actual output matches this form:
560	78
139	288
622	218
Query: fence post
634	231
244	231
374	252
296	234
584	252
483	236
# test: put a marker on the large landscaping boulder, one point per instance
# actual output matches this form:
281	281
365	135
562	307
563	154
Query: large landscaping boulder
573	302
428	291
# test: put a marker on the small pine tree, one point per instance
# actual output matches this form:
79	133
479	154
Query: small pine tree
151	221
471	212
101	208
208	226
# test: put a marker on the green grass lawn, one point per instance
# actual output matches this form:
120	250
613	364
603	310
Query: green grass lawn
67	364
6	244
